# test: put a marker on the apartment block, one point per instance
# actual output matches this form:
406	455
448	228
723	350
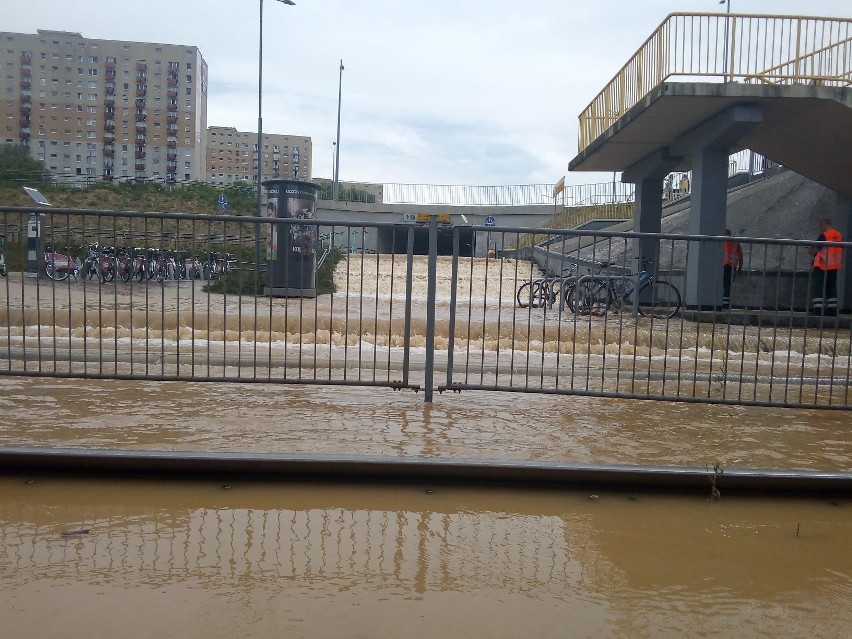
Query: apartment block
233	155
105	109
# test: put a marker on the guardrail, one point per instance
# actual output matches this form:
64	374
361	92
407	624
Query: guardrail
409	318
725	47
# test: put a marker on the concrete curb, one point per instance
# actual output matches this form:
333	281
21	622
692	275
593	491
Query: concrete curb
134	464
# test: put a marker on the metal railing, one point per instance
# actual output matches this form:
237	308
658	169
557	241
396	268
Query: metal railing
723	47
432	308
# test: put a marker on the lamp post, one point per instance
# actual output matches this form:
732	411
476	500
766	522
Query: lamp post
333	155
259	173
336	186
727	23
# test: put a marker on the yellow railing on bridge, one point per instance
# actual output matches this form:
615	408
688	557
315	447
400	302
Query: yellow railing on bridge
725	47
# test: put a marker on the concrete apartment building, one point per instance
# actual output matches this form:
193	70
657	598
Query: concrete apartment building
110	109
232	156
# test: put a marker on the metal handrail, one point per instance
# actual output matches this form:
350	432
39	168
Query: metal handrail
725	47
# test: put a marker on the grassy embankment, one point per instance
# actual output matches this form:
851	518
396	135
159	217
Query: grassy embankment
185	235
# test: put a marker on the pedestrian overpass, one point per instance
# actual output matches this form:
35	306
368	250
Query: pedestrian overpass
705	85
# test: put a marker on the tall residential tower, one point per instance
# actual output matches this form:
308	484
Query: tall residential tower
105	109
233	155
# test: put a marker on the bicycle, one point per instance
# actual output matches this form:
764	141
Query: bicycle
545	291
602	293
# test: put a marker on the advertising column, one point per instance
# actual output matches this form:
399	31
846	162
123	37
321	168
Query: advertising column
291	248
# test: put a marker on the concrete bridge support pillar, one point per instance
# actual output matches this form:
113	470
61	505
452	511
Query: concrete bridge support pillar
647	218
709	145
648	176
707	217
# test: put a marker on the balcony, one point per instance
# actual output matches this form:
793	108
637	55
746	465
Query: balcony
141	130
141	66
172	119
171	157
172	144
109	128
108	153
172	82
25	72
140	140
25	137
110	75
141	117
172	94
171	107
25	111
141	79
140	155
26	84
109	103
110	65
140	166
140	93
24	122
109	137
109	90
26	58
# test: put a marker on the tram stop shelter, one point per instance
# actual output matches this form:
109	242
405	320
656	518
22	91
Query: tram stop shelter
703	86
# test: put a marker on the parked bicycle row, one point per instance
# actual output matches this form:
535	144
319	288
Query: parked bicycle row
106	263
602	291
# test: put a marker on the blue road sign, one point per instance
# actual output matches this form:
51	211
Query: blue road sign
223	202
490	221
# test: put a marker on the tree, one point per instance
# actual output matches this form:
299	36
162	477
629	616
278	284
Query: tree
17	166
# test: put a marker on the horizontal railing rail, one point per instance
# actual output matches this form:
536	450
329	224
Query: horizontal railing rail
725	47
399	305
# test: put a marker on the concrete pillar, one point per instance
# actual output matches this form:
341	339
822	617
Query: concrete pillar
647	218
843	222
707	217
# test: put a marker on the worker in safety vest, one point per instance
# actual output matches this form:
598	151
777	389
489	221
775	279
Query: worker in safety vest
827	263
733	263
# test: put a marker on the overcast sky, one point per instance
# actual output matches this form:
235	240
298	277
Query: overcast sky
434	91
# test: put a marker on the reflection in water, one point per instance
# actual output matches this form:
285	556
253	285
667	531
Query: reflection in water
348	561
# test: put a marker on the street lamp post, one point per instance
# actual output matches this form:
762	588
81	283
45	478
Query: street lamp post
259	173
336	186
727	24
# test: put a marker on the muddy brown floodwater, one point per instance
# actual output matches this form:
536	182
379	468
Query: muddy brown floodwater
154	559
323	419
232	559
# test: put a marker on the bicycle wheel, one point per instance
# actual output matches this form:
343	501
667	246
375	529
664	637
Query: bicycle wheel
590	298
53	273
124	273
530	295
658	299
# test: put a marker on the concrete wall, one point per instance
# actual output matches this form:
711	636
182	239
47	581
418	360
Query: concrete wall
360	213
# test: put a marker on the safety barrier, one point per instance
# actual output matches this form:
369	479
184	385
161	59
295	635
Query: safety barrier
444	306
725	47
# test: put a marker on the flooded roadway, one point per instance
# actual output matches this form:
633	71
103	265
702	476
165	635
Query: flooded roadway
261	560
275	560
323	419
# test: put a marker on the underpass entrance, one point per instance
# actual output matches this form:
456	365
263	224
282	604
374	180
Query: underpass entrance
396	241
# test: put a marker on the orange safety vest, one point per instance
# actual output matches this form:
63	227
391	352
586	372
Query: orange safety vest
732	254
830	258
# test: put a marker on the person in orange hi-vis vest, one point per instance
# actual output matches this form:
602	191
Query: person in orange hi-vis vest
733	265
827	263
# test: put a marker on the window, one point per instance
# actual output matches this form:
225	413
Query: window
189	90
187	116
188	104
91	135
93	71
189	78
187	165
189	65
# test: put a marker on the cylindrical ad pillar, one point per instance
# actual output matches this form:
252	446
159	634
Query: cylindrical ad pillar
291	249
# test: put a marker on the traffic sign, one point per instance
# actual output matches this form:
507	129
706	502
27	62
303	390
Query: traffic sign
490	221
223	202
